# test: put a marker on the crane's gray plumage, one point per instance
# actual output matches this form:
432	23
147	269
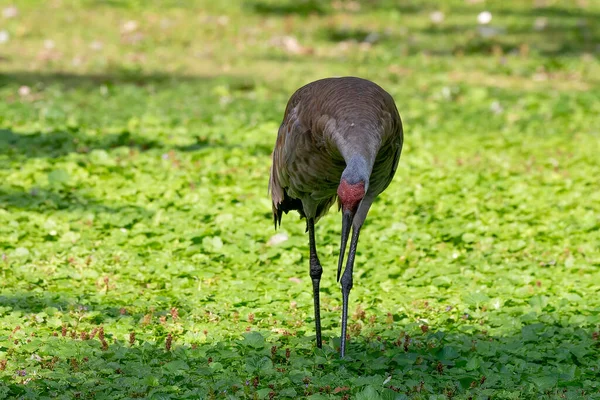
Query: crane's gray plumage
335	130
327	122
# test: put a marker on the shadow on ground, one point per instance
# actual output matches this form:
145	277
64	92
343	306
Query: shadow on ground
567	31
301	8
556	40
86	366
557	360
33	303
313	7
48	199
59	143
63	140
117	76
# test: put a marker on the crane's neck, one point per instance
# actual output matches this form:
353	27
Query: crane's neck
354	182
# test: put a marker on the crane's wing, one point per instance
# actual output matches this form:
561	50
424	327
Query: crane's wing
287	136
388	157
399	139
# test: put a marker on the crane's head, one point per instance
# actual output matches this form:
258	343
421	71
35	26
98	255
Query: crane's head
353	184
350	195
351	191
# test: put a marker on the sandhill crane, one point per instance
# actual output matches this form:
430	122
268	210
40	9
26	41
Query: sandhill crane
340	138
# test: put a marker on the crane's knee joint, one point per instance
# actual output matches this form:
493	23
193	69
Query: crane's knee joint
346	282
315	268
315	273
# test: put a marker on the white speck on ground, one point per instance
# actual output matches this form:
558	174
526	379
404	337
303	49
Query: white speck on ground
24	91
277	239
484	17
4	36
130	26
436	17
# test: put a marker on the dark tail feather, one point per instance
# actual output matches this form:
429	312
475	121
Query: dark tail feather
288	204
277	213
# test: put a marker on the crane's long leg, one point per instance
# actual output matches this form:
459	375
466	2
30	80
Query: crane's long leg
315	273
346	283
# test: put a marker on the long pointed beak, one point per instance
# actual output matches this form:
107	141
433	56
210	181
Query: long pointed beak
347	218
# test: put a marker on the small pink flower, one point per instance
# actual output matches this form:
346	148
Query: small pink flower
24	91
10	12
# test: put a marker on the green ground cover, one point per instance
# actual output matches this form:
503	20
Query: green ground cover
135	142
